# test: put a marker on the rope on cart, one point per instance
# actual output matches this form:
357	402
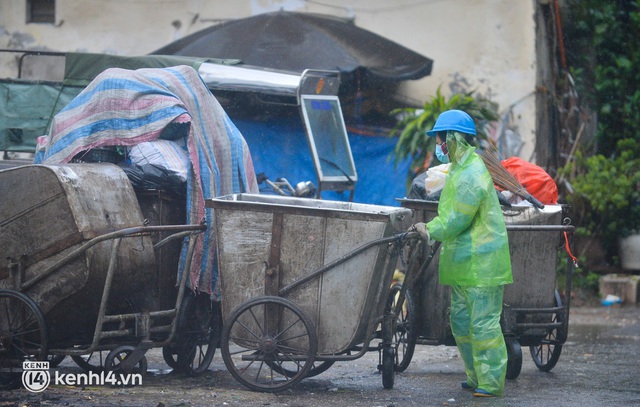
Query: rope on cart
398	245
568	249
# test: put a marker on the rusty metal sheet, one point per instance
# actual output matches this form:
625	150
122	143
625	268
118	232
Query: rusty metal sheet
48	211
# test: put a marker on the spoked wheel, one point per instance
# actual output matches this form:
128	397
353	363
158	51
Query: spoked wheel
23	336
405	335
514	353
91	362
199	333
266	332
546	355
114	361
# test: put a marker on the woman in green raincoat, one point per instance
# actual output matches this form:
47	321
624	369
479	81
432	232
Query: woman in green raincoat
474	257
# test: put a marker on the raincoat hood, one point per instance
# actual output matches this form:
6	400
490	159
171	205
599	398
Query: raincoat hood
459	149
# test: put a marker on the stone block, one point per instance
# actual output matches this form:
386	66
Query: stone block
622	285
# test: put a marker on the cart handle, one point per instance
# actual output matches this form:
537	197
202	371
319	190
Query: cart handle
397	238
127	232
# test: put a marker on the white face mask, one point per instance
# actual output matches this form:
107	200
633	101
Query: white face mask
442	155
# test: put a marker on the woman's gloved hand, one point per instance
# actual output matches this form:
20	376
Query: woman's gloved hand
421	228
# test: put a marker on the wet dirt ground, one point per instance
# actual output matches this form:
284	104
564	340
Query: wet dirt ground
599	365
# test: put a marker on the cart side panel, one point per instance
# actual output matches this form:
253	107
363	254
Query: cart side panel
244	241
302	251
533	258
348	290
60	208
34	219
313	233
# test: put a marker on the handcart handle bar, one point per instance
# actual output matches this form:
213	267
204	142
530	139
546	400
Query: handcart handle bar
127	232
397	238
541	228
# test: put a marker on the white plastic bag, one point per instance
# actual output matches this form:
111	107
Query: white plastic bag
435	178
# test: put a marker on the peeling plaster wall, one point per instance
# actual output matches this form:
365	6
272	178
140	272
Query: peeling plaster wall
487	44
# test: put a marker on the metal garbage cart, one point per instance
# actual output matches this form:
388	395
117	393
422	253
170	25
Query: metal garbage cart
534	313
304	283
80	272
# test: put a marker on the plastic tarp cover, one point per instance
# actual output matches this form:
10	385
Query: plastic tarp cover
25	111
280	150
82	68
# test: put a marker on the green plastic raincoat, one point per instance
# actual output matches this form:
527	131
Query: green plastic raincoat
475	261
470	224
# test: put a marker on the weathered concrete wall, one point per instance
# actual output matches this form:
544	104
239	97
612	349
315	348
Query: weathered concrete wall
488	45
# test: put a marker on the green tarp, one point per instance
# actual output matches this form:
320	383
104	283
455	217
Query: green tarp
27	106
81	68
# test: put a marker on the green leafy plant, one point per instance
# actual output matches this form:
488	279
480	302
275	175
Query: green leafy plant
607	194
414	122
604	50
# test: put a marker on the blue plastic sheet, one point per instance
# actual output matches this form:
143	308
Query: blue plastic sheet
280	150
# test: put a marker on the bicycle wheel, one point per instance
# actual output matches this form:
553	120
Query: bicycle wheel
265	332
547	353
199	323
405	336
23	336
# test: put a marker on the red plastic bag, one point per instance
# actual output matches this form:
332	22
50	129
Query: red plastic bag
535	180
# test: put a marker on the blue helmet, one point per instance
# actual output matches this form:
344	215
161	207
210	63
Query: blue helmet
455	120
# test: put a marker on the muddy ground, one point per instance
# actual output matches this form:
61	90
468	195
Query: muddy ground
598	366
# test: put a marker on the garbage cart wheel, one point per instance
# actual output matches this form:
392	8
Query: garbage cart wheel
265	332
170	356
91	362
514	353
198	333
546	355
114	361
405	335
23	336
387	351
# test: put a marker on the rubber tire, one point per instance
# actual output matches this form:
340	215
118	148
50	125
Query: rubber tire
14	300
405	336
232	323
119	355
199	326
546	354
514	363
86	364
170	356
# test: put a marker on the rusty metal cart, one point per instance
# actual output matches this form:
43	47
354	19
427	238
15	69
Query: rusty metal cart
80	271
533	315
304	283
